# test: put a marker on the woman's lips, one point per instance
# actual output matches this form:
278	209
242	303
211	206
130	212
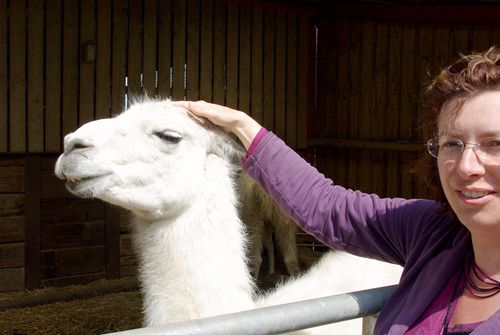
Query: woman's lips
477	197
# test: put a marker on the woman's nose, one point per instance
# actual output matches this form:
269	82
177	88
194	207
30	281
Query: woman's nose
469	163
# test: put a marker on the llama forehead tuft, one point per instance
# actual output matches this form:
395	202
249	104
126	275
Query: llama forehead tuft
154	106
145	99
146	105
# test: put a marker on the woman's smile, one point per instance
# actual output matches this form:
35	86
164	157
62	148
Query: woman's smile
475	197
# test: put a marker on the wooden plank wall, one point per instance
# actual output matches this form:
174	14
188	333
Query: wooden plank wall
73	243
64	63
12	236
47	236
367	126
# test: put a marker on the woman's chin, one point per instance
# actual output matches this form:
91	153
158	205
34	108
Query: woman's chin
486	219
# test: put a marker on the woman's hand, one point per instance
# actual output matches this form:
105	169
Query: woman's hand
229	119
222	116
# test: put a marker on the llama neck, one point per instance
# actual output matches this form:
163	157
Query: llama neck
194	265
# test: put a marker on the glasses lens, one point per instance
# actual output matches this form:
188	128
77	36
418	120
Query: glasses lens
489	148
433	147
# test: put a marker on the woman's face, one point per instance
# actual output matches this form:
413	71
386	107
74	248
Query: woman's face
471	180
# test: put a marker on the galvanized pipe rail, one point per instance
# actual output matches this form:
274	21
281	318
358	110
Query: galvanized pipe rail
282	318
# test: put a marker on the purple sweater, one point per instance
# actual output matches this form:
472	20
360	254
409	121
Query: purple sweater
430	244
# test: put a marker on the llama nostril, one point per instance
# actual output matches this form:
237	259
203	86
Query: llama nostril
76	144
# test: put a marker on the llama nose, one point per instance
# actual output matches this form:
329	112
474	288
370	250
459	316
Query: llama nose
75	144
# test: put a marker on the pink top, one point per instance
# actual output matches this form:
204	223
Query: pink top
433	318
262	132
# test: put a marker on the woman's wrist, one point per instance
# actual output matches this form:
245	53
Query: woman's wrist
245	129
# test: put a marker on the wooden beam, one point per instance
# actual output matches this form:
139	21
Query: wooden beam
53	75
4	118
103	59
164	48
179	12
70	66
17	69
430	14
118	56
35	79
193	44
366	144
87	80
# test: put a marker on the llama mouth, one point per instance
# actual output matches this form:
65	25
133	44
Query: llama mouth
75	179
83	186
81	179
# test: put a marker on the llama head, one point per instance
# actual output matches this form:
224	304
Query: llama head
152	159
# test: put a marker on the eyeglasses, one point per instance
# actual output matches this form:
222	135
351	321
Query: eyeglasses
449	148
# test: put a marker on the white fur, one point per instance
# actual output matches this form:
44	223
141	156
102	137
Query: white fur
189	238
335	273
264	218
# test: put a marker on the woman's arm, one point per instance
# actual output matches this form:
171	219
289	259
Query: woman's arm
344	219
390	229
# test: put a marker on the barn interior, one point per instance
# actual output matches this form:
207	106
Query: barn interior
342	82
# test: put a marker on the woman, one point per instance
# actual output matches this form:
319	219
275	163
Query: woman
450	248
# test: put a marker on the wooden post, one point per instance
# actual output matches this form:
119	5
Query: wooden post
32	221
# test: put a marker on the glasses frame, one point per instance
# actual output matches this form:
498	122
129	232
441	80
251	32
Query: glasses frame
434	142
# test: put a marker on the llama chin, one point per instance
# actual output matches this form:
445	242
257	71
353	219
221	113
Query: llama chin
176	175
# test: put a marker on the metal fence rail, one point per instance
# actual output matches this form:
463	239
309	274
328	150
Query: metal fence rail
282	318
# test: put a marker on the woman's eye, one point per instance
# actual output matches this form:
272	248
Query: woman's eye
493	143
451	144
172	139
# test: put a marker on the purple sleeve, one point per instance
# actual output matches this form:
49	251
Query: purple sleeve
353	221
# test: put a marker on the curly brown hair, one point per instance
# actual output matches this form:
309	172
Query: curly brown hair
470	75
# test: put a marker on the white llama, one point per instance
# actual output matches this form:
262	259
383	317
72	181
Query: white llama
264	218
176	175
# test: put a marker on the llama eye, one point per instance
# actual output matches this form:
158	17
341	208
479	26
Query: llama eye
168	138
